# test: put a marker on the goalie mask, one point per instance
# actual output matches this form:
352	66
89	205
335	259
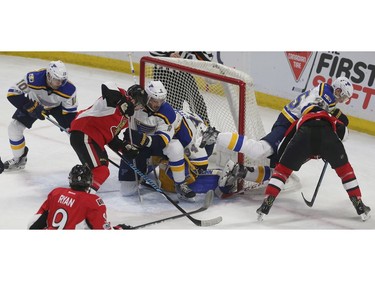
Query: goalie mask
156	95
342	89
57	75
80	177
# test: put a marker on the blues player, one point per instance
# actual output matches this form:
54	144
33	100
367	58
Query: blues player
153	129
42	92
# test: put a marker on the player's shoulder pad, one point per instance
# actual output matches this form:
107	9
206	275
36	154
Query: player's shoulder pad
326	92
167	113
67	90
37	78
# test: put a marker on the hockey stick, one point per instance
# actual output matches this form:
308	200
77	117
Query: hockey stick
154	186
311	203
130	125
207	202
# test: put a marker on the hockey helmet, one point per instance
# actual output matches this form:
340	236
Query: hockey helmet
138	95
156	95
80	177
345	87
57	75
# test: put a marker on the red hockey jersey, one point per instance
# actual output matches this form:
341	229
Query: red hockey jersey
100	122
71	209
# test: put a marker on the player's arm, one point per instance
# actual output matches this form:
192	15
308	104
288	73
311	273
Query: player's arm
39	220
17	94
97	214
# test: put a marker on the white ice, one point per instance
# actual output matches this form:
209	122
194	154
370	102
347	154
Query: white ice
51	158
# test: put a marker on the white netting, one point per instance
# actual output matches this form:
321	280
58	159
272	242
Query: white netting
221	95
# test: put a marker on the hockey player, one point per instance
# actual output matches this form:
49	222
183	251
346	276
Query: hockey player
153	128
74	207
99	125
41	92
317	134
188	129
324	95
177	95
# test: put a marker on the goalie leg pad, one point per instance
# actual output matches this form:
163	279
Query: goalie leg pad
128	188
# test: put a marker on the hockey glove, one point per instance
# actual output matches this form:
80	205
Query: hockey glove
126	107
130	151
35	110
137	139
122	227
341	116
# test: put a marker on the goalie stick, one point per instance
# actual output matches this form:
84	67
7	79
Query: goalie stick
311	203
207	202
154	186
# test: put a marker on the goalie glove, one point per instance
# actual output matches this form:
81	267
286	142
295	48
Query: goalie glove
35	110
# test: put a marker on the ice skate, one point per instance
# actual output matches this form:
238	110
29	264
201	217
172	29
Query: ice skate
264	209
184	192
17	163
209	136
362	209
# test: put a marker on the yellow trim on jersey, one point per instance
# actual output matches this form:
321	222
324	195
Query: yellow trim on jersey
188	128
321	89
61	94
180	168
164	138
199	163
233	141
287	116
166	120
261	173
12	94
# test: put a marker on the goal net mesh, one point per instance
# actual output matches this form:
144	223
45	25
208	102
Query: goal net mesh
223	96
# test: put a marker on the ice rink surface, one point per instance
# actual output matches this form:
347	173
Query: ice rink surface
50	159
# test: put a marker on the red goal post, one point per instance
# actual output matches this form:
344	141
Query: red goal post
223	94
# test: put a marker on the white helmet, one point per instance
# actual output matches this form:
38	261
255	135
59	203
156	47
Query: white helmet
156	93
57	75
346	87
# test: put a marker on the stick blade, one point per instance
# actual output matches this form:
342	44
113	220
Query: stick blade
308	203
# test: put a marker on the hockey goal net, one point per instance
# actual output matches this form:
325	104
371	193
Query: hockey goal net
222	96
